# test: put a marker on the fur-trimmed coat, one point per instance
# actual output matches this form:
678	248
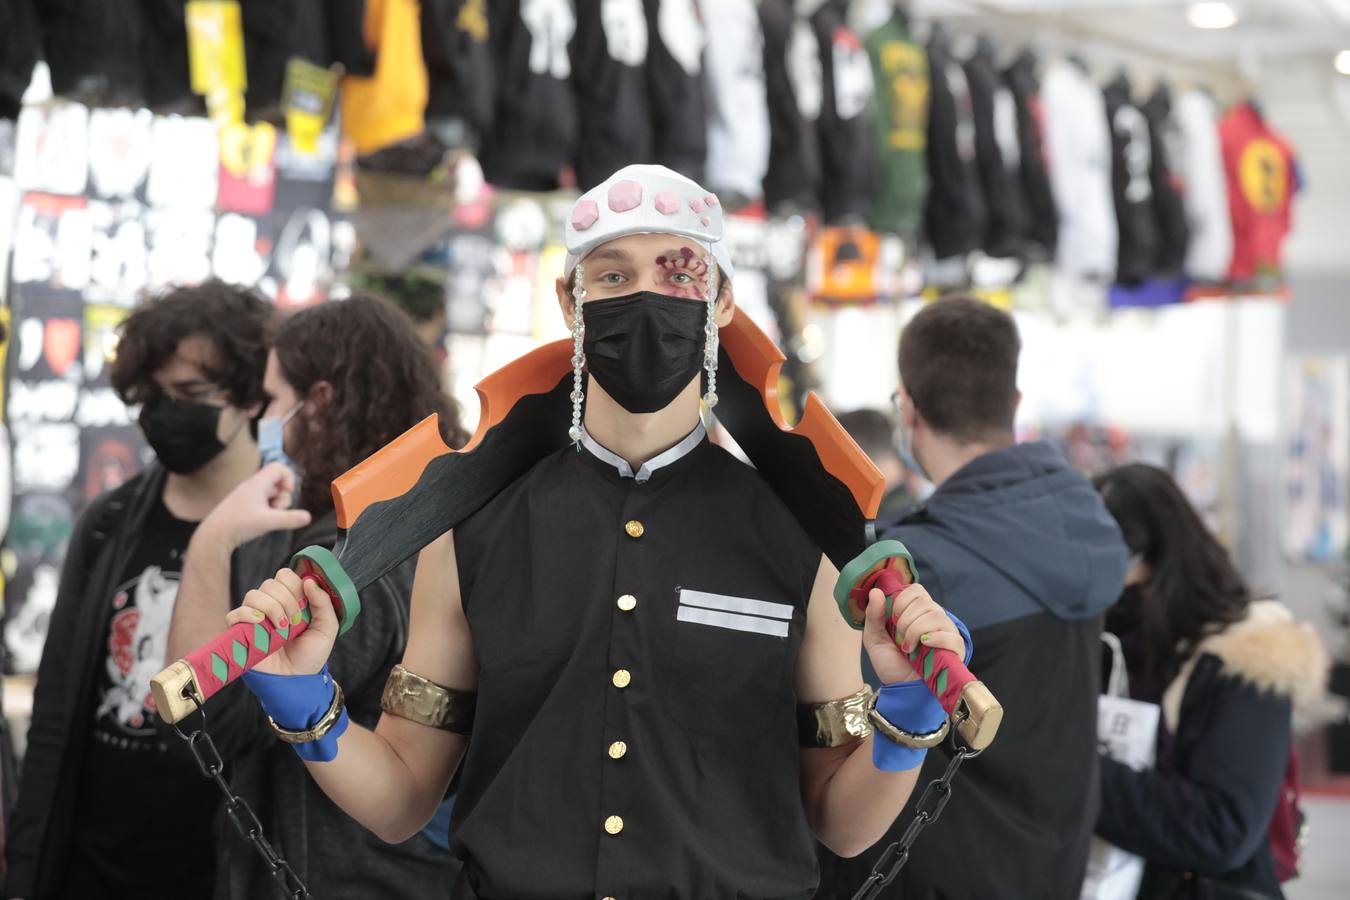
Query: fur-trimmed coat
1201	818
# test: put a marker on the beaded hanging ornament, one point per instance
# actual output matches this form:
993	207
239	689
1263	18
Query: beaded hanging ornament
710	343
578	357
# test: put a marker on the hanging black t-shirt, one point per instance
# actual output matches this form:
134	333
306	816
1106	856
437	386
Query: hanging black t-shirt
954	216
534	126
997	154
792	83
1131	162
1042	214
460	88
677	107
848	153
609	71
637	635
1169	207
145	815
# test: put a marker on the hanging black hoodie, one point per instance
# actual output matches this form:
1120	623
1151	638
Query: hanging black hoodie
609	71
954	217
534	126
997	154
18	53
1042	215
791	55
95	50
1169	207
1131	161
458	56
1018	545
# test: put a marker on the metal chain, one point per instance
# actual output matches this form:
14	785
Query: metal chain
237	809
931	804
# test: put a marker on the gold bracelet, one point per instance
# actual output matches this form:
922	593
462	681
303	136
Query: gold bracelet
320	728
902	737
412	697
834	723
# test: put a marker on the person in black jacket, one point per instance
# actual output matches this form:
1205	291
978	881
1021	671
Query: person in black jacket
1228	671
102	810
343	379
1020	547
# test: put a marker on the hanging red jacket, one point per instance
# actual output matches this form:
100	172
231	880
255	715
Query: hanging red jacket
1262	177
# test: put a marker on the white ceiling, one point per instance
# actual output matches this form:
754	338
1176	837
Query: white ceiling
1267	30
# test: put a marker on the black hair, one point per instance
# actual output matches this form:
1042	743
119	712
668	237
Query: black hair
236	320
1192	585
874	432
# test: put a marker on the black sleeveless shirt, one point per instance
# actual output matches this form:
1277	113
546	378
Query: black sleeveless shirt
637	636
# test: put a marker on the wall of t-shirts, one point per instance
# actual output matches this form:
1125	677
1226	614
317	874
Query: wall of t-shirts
429	150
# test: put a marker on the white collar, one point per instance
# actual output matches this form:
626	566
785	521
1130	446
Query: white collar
644	472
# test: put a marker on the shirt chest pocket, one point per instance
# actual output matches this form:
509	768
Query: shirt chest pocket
728	670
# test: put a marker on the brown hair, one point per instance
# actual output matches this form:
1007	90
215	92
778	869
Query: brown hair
958	363
236	321
384	381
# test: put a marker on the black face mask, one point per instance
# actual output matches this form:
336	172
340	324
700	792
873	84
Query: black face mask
1128	613
645	348
182	434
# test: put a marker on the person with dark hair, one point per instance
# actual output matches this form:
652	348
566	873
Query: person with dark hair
102	811
1021	548
642	639
1228	670
342	380
874	433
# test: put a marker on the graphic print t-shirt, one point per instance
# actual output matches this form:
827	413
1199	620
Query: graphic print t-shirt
145	815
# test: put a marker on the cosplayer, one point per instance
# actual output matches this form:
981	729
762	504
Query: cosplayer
632	650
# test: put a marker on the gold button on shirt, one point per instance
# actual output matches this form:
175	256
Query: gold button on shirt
634	528
618	750
627	602
613	825
622	678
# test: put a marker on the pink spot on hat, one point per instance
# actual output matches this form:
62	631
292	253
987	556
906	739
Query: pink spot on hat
667	204
625	195
710	201
585	214
705	221
696	205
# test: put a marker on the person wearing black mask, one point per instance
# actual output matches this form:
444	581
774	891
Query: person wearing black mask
627	629
1217	817
87	821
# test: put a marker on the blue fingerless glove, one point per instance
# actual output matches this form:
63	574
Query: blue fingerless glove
297	702
909	705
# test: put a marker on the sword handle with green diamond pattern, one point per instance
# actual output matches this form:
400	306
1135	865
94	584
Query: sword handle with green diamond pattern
887	566
240	647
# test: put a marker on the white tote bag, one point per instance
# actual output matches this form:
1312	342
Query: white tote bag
1127	731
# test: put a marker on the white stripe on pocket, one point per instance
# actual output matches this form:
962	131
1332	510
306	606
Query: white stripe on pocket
733	621
742	605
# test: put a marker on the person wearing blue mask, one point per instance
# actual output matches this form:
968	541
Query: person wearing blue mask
192	361
342	380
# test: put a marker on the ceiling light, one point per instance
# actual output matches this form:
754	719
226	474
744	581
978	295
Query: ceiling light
1211	15
1343	62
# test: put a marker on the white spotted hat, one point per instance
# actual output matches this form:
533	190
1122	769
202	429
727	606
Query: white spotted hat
645	200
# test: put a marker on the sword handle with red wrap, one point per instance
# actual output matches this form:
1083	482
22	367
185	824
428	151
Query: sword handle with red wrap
888	567
234	651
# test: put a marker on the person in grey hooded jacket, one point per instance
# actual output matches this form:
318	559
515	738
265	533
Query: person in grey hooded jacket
1020	546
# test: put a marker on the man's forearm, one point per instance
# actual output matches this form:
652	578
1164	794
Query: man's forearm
858	802
203	595
391	780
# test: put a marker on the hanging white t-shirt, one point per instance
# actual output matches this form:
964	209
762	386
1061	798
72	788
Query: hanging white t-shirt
1201	167
738	110
1078	145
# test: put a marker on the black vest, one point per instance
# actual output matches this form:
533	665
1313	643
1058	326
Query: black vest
637	637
